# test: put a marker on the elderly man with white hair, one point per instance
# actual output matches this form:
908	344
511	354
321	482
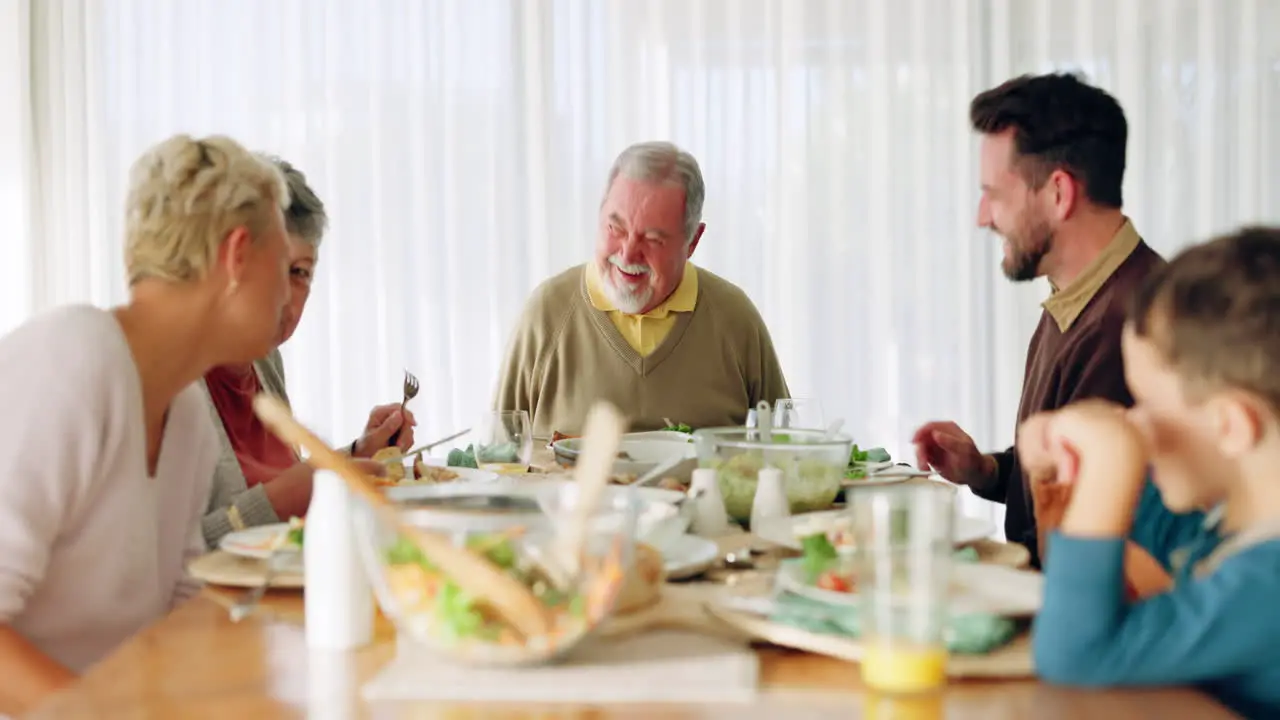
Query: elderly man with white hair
640	325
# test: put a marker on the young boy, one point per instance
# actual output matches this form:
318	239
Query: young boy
1202	359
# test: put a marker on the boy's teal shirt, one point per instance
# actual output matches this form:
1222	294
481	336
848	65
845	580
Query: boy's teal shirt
1217	629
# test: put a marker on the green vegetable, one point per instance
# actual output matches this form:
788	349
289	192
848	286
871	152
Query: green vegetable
462	458
406	552
818	552
679	427
295	536
501	553
458	611
858	459
878	455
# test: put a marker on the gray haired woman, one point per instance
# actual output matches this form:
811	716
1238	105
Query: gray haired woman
260	480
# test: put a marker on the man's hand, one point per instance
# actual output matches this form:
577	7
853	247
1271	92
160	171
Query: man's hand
949	451
384	421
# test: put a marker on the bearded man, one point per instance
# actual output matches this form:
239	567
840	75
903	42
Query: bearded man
1052	164
640	325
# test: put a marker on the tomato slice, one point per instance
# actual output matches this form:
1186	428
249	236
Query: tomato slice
833	581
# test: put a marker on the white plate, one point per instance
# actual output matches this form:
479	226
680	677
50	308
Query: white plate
256	542
876	466
688	556
873	481
781	531
465	475
645	452
975	588
434	509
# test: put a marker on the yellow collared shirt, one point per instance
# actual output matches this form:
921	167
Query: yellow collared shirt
1066	304
644	333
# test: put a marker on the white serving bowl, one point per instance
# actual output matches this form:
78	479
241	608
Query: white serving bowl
643	452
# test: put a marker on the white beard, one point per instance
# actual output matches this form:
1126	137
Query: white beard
627	300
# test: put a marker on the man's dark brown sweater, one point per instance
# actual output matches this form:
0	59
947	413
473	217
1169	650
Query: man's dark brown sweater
1074	354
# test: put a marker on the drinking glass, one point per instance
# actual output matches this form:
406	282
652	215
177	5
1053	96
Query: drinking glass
504	441
798	413
904	538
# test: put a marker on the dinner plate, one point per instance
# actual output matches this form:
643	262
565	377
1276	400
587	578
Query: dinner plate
781	531
976	588
688	556
465	475
873	481
256	543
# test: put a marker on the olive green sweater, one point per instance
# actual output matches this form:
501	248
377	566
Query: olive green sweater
716	362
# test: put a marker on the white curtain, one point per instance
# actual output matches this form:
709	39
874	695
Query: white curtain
461	146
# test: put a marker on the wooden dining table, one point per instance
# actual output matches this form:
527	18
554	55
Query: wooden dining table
196	662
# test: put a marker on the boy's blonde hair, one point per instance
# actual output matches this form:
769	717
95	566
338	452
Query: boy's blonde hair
1214	313
185	196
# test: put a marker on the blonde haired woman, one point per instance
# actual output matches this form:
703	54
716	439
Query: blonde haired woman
106	445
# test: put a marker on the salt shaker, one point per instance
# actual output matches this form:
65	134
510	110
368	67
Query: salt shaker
338	596
710	518
771	498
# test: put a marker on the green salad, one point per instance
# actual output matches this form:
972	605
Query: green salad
433	603
680	428
859	458
811	482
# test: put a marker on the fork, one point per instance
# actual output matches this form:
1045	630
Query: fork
249	602
410	392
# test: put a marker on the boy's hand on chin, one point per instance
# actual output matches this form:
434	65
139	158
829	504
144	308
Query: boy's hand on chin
1094	439
1095	448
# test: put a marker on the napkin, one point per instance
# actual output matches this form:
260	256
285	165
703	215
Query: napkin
967	634
656	667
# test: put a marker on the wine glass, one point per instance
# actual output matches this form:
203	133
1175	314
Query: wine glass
798	414
504	441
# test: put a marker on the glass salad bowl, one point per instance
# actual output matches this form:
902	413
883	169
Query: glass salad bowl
523	536
812	465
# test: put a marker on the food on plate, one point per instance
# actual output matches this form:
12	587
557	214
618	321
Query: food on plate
679	427
643	582
670	483
827	546
810	483
433	606
297	530
859	458
393	459
666	483
432	474
422	472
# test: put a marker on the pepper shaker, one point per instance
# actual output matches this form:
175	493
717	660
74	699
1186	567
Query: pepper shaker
710	518
770	500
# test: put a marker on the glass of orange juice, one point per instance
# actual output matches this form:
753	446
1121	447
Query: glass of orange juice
504	442
904	554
